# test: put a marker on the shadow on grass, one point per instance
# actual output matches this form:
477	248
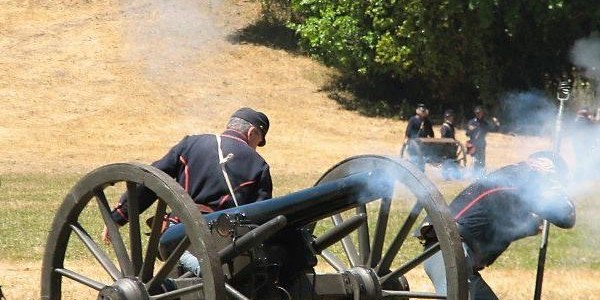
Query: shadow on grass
270	34
374	98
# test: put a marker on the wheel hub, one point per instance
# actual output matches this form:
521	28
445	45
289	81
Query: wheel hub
364	282
124	289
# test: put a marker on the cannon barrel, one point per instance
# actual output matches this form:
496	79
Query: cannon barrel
315	203
303	207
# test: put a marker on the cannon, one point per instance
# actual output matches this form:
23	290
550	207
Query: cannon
347	237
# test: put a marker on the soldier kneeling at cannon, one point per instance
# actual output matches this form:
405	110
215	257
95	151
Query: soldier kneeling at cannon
218	171
499	208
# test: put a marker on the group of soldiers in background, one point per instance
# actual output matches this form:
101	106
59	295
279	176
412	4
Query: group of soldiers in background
420	126
585	136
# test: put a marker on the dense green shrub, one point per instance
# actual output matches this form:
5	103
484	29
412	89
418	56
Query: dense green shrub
461	51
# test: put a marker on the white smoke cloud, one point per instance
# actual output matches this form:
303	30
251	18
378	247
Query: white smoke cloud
585	136
531	112
585	54
584	140
168	36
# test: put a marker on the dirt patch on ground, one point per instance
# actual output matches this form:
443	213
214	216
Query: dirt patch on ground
86	83
21	281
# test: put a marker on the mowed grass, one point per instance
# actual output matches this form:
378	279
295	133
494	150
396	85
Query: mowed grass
30	201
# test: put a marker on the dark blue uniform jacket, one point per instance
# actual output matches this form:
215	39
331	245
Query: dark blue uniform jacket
194	163
447	130
419	127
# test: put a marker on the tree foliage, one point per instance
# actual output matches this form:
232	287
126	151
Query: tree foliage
459	52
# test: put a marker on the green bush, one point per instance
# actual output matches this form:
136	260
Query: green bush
462	51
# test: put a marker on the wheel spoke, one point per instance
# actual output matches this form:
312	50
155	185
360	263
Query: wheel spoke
411	264
179	292
115	235
335	262
235	293
135	240
169	264
80	278
152	249
380	229
363	236
347	243
98	253
411	294
392	251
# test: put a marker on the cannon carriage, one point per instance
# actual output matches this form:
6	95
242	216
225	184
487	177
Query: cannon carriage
435	151
347	237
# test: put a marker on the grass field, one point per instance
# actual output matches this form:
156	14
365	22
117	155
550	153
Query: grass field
31	201
573	258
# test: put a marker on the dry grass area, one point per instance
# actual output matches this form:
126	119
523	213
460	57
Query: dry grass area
20	281
86	83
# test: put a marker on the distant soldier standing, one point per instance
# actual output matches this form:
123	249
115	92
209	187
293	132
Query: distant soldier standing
477	130
418	126
450	165
447	129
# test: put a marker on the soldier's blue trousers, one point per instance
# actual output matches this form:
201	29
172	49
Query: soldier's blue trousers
478	288
170	239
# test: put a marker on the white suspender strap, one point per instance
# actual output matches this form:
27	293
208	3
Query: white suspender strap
222	162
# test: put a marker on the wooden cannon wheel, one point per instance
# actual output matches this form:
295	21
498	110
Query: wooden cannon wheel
384	243
131	266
